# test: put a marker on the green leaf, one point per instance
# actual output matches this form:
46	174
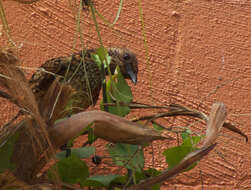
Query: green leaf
190	167
146	174
196	139
96	59
157	127
100	56
6	151
100	181
71	170
128	156
120	180
84	152
91	137
189	140
152	172
176	154
186	134
102	53
121	92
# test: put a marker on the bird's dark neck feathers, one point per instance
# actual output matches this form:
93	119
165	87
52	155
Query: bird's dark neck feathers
114	53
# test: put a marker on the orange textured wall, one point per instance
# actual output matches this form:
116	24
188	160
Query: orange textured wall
199	53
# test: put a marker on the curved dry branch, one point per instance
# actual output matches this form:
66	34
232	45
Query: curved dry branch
178	110
215	122
189	160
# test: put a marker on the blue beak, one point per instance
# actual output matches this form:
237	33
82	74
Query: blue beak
131	74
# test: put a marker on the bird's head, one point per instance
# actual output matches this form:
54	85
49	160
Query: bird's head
127	62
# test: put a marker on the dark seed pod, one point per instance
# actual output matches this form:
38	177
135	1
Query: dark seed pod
96	160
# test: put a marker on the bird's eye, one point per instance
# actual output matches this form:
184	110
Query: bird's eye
126	57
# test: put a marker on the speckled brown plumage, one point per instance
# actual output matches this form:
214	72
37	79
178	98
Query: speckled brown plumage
86	85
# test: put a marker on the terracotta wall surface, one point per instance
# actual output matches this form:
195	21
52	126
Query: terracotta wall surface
199	53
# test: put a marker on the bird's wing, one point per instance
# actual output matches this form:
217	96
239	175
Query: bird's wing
44	76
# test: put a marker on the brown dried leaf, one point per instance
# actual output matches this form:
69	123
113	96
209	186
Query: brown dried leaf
119	130
216	120
15	82
33	137
107	126
54	101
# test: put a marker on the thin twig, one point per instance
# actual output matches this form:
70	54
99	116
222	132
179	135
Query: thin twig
135	105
